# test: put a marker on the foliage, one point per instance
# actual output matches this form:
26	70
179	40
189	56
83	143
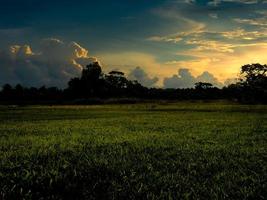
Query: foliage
93	83
254	73
203	86
253	83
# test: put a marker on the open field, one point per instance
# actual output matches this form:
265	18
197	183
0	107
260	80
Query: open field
141	151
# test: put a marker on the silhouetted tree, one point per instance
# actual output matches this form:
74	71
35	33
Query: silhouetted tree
117	83
93	83
116	73
254	75
92	79
203	86
252	85
7	88
75	88
92	73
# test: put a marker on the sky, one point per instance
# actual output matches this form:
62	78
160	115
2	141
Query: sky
161	43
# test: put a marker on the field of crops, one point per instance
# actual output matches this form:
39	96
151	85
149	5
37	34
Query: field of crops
140	151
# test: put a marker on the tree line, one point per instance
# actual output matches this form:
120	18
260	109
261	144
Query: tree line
94	84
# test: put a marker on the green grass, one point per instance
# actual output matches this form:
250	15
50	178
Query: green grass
143	151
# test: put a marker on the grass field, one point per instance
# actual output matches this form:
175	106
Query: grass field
140	151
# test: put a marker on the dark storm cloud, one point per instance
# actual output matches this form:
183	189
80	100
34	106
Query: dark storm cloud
53	65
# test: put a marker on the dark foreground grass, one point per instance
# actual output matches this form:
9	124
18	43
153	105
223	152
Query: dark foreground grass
144	151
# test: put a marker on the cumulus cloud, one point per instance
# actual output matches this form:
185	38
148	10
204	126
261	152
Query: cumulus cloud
207	77
53	65
230	81
184	79
142	77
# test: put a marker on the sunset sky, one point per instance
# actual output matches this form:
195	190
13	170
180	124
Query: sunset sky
171	43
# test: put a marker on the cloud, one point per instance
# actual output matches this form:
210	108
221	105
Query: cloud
257	19
142	77
165	39
211	45
220	52
223	41
213	15
255	22
207	77
190	1
53	65
127	61
230	81
217	2
217	63
175	13
184	79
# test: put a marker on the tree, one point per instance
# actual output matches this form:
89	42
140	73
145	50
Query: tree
75	88
253	83
92	73
116	73
116	79
203	86
90	84
93	79
7	92
254	75
7	88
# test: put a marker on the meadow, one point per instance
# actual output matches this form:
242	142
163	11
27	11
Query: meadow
193	150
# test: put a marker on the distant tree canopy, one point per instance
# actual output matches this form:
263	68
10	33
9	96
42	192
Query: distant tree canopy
116	73
93	83
203	86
